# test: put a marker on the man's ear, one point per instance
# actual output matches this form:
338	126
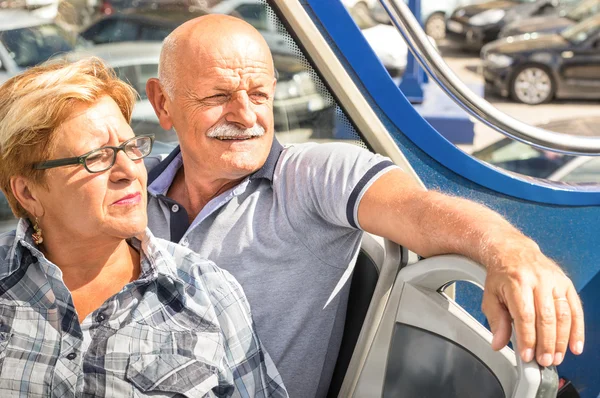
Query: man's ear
159	100
25	193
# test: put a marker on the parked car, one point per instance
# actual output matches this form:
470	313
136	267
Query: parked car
27	40
554	23
147	24
297	99
385	40
433	15
534	69
475	25
524	159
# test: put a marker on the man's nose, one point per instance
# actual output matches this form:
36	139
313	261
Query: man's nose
241	110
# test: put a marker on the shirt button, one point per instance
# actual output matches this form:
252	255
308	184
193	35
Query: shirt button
100	318
71	356
185	242
175	208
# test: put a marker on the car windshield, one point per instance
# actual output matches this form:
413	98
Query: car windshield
522	158
582	31
583	10
137	76
35	44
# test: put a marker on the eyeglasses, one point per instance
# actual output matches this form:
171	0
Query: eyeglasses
104	158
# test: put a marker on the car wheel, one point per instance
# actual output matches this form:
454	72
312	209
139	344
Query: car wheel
436	26
532	85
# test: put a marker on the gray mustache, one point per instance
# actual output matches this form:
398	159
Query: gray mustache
231	130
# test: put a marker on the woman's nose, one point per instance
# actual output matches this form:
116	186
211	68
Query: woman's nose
124	168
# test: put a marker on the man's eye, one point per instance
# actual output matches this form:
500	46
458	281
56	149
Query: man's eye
217	98
260	96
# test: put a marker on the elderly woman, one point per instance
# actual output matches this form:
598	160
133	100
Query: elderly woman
91	304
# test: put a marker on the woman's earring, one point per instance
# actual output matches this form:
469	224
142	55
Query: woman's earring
37	235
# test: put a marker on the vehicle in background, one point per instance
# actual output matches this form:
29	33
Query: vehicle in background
433	15
554	23
534	69
27	40
475	25
297	99
110	7
146	24
524	159
386	41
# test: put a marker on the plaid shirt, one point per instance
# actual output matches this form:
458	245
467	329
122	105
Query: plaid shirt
184	327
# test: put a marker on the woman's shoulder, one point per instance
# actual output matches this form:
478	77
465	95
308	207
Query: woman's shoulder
189	266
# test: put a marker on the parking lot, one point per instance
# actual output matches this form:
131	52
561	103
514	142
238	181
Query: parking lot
580	113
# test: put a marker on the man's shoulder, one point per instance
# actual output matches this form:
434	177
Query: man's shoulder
321	154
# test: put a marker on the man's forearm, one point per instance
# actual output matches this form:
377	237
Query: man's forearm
459	226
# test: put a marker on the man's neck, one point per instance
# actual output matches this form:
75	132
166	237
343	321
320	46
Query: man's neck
194	193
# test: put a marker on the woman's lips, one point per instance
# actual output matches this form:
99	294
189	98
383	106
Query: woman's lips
131	199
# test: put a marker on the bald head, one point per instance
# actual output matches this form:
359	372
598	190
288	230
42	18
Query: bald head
206	42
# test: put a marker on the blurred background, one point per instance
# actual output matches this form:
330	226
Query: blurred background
536	60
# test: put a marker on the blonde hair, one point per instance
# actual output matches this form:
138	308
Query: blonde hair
35	103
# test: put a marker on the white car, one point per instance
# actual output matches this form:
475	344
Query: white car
26	40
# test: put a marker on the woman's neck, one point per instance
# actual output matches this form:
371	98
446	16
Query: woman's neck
94	266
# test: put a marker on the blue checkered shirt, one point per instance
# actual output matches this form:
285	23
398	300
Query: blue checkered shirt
184	328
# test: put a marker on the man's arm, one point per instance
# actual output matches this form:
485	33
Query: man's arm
522	283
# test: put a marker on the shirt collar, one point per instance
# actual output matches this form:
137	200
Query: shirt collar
21	241
266	171
268	168
154	260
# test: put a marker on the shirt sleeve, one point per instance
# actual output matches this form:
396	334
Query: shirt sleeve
327	181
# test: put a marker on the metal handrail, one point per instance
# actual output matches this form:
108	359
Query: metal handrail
429	58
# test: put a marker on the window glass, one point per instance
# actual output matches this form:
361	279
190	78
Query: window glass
587	172
582	31
153	33
33	45
523	159
255	14
115	31
137	75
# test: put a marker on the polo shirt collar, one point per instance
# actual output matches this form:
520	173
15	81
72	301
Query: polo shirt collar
266	171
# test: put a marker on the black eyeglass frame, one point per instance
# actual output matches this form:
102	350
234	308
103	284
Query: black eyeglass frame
50	164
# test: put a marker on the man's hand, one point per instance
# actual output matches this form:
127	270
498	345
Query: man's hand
522	284
530	289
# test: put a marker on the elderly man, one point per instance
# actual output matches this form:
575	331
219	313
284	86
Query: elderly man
287	222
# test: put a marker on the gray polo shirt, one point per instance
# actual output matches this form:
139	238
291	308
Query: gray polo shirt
289	233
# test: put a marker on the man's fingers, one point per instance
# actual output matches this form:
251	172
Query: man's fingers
520	303
577	337
499	320
563	326
546	327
